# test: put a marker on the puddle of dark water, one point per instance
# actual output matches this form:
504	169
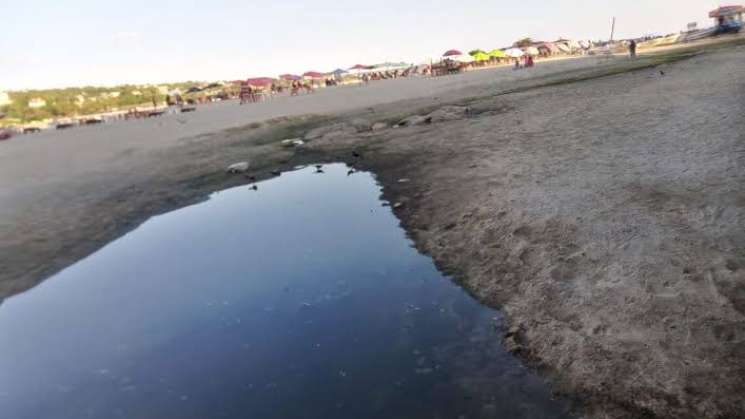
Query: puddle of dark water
303	299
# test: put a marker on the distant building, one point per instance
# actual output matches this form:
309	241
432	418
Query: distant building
115	94
136	93
37	102
5	99
79	100
163	89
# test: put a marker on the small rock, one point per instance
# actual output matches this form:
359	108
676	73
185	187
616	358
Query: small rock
287	143
404	180
298	142
379	126
398	205
414	120
238	167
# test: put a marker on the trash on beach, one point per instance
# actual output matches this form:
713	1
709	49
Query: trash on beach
414	120
239	167
292	142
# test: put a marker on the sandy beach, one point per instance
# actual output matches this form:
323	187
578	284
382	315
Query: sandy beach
599	202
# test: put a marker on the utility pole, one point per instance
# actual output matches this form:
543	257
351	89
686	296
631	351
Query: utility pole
612	29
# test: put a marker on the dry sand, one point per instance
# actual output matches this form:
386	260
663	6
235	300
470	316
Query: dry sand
606	217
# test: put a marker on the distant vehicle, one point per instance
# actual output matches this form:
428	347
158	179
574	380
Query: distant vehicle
31	130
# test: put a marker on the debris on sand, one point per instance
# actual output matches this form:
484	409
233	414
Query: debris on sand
292	142
449	113
239	167
414	120
379	126
398	205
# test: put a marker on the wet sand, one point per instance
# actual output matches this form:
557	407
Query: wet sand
602	209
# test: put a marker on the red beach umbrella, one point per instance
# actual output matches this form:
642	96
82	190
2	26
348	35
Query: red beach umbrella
260	81
313	74
290	77
360	67
451	52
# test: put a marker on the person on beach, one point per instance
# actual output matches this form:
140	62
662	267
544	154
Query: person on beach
632	48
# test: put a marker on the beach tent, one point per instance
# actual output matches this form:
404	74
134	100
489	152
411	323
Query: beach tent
497	53
388	66
550	48
339	72
313	75
514	52
260	81
452	53
360	67
533	51
463	58
476	52
290	77
563	47
481	56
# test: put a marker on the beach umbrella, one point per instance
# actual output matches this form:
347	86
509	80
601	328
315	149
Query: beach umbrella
463	58
290	77
514	52
475	52
360	67
563	47
532	51
481	56
452	53
260	81
313	75
497	53
193	89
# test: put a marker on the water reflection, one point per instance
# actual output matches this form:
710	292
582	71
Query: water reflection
302	299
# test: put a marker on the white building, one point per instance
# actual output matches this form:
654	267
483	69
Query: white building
5	99
37	102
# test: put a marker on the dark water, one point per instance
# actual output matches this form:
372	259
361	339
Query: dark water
303	299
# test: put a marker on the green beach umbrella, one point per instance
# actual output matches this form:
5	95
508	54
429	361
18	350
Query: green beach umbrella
497	53
481	56
475	52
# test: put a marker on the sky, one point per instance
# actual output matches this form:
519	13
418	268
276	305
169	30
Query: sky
56	43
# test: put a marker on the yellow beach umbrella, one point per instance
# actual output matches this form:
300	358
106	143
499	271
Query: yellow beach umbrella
497	53
481	56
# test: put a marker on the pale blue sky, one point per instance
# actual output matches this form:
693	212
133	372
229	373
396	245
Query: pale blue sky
53	43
